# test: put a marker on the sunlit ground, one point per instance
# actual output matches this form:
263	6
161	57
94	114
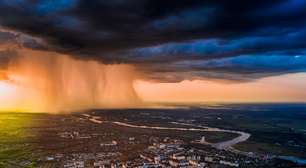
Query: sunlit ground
14	147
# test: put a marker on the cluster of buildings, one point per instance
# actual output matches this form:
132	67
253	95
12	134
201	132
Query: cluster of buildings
72	135
174	153
161	153
82	160
94	148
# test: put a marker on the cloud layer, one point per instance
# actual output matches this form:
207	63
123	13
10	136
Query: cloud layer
170	40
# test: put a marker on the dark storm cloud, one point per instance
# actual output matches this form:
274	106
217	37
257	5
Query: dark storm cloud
6	37
237	39
10	42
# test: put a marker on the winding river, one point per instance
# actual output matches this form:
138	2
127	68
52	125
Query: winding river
226	145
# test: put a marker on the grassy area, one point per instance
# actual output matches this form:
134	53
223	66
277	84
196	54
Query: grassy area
15	146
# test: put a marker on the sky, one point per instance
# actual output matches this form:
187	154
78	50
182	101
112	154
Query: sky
276	89
184	50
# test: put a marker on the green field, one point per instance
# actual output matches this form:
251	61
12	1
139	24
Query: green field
15	140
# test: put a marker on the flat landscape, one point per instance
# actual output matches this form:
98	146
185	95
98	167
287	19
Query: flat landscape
38	140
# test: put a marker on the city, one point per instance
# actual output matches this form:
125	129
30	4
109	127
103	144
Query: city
108	138
152	84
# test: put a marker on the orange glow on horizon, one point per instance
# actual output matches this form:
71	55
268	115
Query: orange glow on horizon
284	88
49	82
